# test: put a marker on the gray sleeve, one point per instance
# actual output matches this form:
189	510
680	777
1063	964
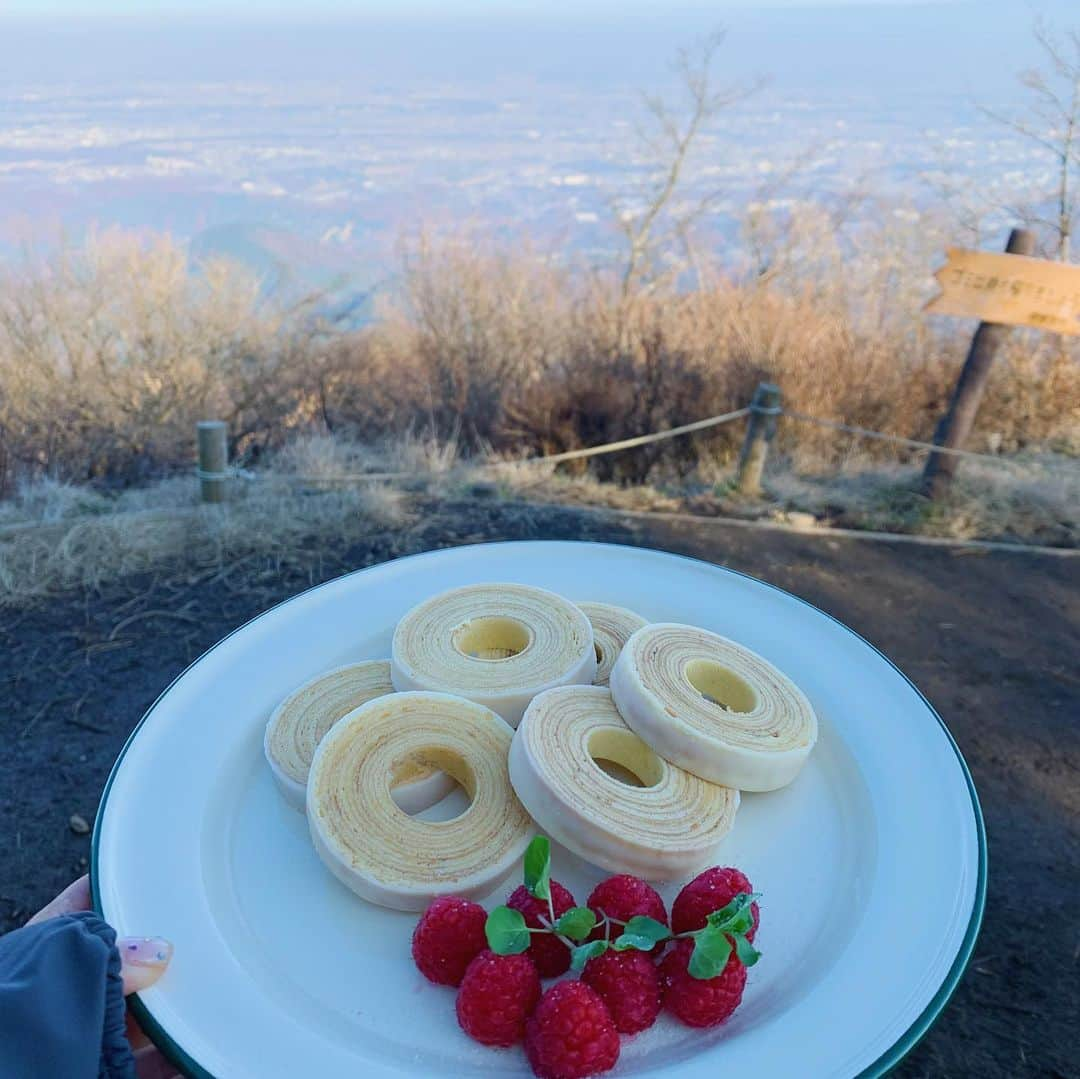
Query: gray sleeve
62	1002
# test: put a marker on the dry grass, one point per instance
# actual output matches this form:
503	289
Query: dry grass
53	539
1032	499
56	536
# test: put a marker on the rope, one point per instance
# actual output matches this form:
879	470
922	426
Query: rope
640	440
341	477
230	473
866	432
554	458
643	440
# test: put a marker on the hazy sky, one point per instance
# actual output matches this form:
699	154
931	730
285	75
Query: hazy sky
549	8
334	124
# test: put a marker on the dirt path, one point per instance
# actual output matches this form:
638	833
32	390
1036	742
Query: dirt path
991	639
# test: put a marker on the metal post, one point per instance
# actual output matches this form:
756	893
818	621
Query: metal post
956	424
213	459
760	429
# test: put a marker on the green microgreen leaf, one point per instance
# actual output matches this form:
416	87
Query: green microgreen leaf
577	923
538	867
642	926
711	952
737	916
633	940
580	955
747	953
506	931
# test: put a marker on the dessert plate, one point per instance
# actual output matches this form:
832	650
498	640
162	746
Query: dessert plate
872	863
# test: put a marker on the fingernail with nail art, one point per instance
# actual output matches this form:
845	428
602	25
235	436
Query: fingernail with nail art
143	960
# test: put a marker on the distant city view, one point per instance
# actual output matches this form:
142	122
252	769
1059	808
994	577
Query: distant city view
308	152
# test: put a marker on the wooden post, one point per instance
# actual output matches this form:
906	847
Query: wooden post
956	424
213	459
760	428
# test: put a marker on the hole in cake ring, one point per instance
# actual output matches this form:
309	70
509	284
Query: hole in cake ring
720	686
622	755
492	639
713	707
380	852
496	644
555	766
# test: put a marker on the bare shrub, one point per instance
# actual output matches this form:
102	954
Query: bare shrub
110	352
541	358
108	357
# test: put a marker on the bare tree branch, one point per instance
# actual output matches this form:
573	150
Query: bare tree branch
1052	121
668	138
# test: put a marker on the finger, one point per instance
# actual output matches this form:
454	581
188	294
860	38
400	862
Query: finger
142	961
74	897
149	1061
136	1036
150	1064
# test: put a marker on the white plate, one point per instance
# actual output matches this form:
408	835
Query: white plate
872	863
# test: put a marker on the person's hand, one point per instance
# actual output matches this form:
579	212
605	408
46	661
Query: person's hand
142	961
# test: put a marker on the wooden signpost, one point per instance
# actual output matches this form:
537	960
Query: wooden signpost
1002	290
1009	289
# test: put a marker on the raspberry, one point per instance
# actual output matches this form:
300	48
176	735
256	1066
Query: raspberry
447	938
700	1002
497	995
710	891
550	955
629	985
623	897
571	1035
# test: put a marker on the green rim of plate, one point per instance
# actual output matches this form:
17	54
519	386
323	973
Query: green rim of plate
884	1064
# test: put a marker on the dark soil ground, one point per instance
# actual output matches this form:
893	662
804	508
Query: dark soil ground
992	639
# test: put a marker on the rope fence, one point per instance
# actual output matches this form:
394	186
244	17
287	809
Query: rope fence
555	458
866	432
644	440
763	413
